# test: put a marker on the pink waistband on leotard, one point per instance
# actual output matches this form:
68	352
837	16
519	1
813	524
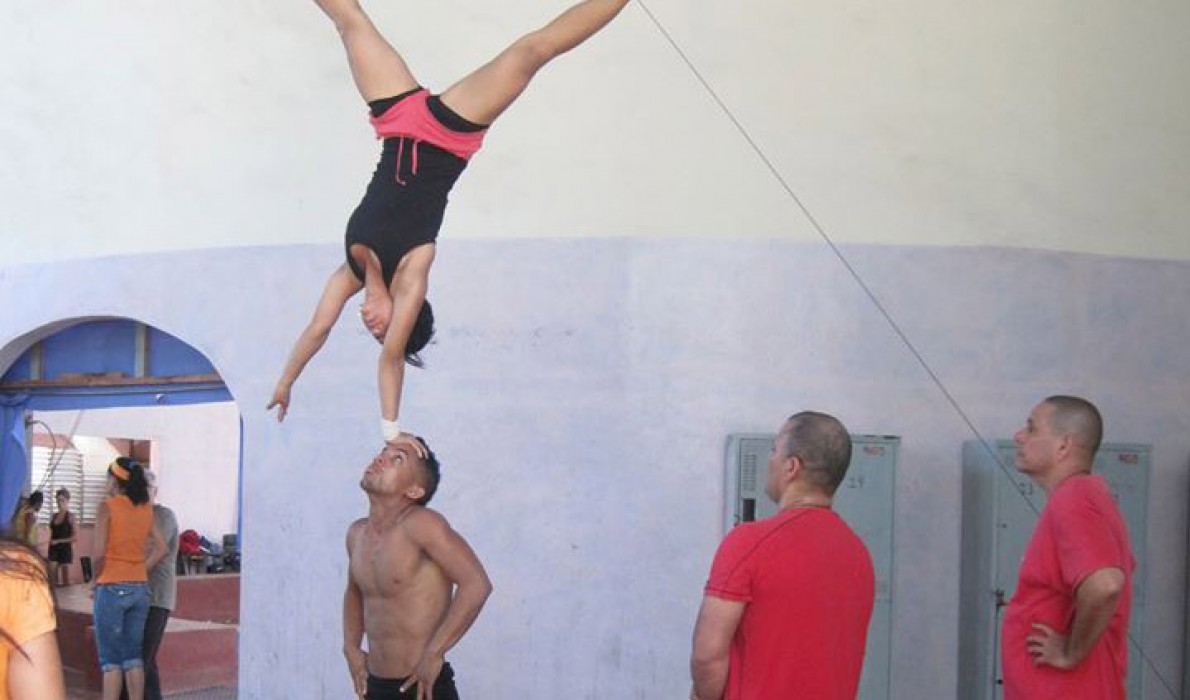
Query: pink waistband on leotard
411	118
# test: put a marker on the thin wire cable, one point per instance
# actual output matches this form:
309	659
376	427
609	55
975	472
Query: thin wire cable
838	253
846	263
52	462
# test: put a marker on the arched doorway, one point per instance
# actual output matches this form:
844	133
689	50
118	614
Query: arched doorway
79	392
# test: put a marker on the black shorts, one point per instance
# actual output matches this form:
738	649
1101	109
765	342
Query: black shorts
61	554
390	688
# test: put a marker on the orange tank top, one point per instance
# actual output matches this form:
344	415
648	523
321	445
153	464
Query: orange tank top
127	533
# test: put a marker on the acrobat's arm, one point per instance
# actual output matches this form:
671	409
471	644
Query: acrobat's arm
409	294
341	286
472	587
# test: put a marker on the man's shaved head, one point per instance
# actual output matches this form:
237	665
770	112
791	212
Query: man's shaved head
823	445
1077	418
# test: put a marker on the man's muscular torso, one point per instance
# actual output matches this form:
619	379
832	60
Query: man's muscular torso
404	593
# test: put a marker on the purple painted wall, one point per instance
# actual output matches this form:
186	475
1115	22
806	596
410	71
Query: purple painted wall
580	393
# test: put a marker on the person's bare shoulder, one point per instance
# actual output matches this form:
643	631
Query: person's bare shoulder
353	531
425	524
439	542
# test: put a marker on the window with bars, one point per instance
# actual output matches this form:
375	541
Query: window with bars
65	467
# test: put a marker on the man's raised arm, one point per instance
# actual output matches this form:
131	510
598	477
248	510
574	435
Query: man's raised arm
456	559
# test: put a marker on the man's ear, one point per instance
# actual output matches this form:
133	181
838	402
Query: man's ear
1066	444
415	492
794	466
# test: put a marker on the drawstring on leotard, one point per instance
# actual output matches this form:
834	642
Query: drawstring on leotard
401	156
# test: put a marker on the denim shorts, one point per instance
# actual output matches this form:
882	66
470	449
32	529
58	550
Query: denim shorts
120	612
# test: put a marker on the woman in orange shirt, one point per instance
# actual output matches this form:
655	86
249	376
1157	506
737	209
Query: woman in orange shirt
30	667
122	530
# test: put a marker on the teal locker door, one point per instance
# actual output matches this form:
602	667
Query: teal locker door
748	468
1018	501
1126	469
865	500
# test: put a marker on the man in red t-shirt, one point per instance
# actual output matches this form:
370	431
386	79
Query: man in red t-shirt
1066	629
788	602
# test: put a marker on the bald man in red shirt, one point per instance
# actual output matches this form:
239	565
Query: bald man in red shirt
1066	629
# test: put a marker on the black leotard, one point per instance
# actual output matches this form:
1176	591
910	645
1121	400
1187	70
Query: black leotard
406	200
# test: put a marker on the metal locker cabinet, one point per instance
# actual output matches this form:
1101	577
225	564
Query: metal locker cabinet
1126	468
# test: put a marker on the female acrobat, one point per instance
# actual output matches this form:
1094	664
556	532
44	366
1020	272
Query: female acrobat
428	140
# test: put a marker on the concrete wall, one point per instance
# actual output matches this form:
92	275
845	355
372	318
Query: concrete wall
579	395
1053	125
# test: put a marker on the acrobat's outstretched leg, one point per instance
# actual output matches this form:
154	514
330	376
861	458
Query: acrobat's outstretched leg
378	70
485	94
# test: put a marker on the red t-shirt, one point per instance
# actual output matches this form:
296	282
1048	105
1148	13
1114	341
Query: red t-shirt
808	585
1079	532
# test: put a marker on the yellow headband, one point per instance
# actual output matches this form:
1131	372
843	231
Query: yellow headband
119	472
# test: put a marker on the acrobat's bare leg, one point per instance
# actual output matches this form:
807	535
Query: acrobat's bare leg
485	94
378	70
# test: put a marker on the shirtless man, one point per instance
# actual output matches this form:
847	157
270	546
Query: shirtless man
414	586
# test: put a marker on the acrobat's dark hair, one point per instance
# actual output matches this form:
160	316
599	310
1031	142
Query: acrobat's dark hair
35	499
135	487
420	336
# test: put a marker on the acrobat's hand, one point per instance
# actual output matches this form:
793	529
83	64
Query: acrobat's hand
281	401
1048	647
424	675
376	313
357	663
413	441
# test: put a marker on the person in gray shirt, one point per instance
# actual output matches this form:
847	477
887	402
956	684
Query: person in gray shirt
163	590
